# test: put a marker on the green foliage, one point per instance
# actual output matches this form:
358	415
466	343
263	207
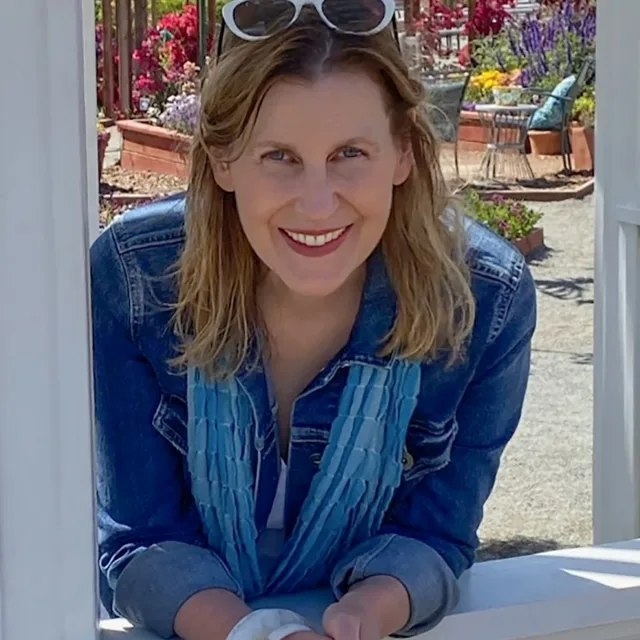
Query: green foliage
509	218
584	109
494	52
164	7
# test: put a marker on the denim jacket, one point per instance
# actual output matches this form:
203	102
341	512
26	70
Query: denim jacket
152	550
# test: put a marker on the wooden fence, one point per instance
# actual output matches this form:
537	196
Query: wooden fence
128	21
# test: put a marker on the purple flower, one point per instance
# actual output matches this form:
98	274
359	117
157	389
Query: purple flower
181	113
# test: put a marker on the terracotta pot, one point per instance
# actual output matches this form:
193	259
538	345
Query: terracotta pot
472	136
531	242
146	147
103	143
582	147
545	143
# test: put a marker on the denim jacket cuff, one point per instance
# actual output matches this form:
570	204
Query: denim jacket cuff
157	582
432	587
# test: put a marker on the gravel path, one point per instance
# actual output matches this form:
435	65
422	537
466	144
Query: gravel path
542	499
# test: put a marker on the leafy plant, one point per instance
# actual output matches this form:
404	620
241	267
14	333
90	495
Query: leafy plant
546	50
489	17
584	110
481	84
509	218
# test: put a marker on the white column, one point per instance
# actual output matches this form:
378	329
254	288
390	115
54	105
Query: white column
47	540
616	477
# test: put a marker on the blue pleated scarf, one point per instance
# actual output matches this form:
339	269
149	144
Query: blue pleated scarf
348	497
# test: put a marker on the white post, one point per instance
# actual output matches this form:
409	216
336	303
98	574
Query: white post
616	472
47	540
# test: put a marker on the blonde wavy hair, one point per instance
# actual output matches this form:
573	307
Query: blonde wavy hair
217	318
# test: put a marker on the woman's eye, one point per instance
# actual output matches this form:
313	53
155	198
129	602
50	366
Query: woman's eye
351	152
278	155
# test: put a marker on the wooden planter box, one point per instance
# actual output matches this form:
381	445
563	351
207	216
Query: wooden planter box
146	147
582	148
531	242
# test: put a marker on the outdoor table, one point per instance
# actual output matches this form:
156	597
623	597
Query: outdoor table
506	128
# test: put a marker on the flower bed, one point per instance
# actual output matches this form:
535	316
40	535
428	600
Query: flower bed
513	220
161	144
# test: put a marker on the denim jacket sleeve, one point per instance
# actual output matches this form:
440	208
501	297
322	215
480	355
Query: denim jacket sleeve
430	533
152	553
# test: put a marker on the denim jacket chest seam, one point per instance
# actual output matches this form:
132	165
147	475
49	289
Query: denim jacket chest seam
508	288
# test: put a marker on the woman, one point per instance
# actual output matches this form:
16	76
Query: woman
309	379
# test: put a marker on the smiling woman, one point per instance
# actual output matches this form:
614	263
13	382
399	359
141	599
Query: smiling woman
307	379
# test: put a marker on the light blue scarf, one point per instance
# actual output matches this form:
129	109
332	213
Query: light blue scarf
349	495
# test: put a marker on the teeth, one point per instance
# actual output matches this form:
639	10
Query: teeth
315	240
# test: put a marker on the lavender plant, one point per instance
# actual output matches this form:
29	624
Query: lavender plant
547	47
181	113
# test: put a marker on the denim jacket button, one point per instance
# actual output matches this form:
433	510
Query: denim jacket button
316	458
407	460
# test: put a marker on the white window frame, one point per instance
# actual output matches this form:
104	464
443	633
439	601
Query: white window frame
48	215
47	187
616	469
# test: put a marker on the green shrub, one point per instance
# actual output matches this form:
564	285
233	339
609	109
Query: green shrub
509	218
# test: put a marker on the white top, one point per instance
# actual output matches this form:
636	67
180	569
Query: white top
276	517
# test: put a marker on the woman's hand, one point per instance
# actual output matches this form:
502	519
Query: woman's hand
371	610
342	621
306	635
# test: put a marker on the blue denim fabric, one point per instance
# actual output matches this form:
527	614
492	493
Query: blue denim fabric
152	550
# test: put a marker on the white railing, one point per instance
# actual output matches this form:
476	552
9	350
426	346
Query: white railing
590	594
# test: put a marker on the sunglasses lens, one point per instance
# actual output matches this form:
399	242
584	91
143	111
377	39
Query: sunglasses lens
355	16
259	18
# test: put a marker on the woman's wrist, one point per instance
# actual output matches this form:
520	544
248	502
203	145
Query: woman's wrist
209	615
269	624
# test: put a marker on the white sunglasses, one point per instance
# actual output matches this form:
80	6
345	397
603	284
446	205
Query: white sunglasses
260	19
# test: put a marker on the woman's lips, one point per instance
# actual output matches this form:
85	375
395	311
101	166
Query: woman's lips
316	244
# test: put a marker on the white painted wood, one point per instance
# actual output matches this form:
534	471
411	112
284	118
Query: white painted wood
47	540
616	482
91	146
587	594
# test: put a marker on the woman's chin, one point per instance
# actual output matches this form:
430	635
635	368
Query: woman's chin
313	287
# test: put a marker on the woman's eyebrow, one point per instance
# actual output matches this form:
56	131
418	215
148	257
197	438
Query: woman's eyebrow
350	142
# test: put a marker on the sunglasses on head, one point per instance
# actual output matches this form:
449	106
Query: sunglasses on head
259	19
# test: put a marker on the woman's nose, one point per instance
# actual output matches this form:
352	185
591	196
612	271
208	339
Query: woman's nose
317	198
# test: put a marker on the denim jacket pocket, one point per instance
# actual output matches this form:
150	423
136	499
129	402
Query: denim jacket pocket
170	420
428	448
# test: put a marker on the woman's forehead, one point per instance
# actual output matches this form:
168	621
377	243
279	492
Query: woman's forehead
342	100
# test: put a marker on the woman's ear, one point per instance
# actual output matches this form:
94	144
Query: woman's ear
404	162
222	175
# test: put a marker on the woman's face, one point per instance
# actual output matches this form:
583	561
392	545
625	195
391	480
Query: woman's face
314	186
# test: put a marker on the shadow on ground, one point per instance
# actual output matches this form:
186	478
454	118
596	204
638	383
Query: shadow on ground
539	255
576	357
567	289
520	546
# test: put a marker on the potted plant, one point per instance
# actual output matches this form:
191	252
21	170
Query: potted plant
490	85
103	142
161	143
513	220
583	132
